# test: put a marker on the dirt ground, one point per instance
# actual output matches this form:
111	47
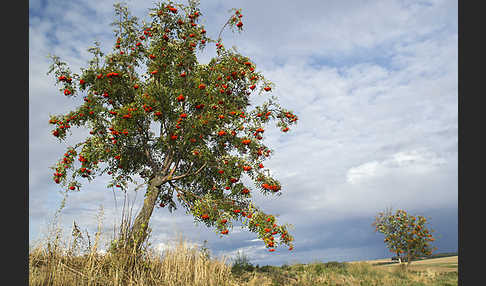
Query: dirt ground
442	264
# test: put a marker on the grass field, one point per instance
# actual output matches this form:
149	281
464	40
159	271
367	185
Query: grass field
440	271
442	264
75	260
56	264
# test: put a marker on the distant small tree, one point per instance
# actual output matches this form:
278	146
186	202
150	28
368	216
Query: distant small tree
406	235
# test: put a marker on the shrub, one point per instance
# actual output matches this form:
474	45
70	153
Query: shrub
241	264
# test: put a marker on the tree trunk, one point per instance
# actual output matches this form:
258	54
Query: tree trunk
138	232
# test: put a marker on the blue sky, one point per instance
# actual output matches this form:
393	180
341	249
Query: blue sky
374	84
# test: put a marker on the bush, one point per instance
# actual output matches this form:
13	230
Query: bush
335	264
241	264
266	268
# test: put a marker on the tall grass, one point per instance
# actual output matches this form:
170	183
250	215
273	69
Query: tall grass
76	260
180	265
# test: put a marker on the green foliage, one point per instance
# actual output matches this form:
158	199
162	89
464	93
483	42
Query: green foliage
336	265
267	269
405	235
241	263
285	266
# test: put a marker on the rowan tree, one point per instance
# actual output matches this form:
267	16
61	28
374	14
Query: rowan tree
405	235
207	135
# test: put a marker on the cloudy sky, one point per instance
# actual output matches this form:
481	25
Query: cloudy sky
374	84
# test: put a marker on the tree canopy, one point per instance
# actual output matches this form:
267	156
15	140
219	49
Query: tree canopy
405	234
188	129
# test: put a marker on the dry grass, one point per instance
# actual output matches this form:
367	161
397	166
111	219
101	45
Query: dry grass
77	261
183	265
349	274
57	260
177	266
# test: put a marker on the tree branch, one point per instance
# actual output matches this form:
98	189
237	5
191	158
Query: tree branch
187	174
220	32
167	162
181	194
173	169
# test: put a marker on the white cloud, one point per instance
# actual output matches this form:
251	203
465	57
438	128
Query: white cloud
416	161
363	171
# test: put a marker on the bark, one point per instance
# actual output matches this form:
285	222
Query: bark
409	260
138	232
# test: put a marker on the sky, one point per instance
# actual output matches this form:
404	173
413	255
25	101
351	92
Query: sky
374	84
